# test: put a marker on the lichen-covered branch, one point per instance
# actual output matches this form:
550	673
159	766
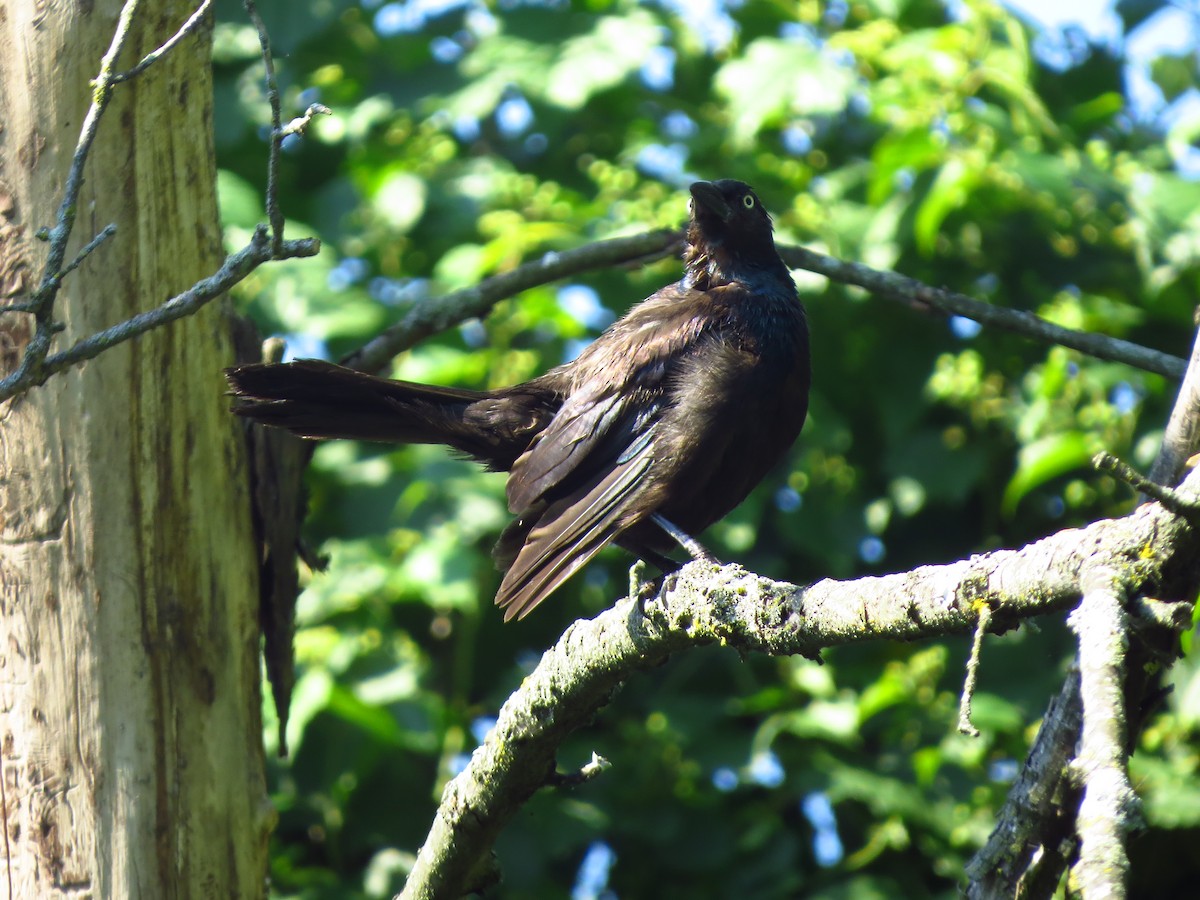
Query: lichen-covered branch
1106	811
727	605
1038	806
1023	855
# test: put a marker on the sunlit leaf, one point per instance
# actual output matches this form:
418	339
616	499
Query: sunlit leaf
615	49
1044	460
949	192
775	80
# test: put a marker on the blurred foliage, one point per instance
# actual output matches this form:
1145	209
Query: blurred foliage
951	141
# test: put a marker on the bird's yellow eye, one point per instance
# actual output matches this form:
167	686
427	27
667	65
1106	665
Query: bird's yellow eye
748	201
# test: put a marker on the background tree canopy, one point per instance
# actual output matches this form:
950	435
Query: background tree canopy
954	142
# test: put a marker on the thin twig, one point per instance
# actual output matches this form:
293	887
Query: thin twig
42	302
1168	497
1108	808
965	725
300	124
108	231
154	55
900	287
444	312
235	268
34	367
101	95
274	212
37	365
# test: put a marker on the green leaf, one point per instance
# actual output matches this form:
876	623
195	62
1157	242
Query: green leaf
309	697
601	59
374	720
1170	791
993	713
1165	200
835	721
400	200
914	151
1175	74
1046	459
936	55
949	191
239	201
777	80
1043	173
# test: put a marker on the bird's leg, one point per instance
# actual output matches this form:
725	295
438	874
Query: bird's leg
693	547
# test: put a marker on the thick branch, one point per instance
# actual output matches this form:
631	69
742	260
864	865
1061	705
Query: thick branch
709	605
1106	811
1033	815
1034	808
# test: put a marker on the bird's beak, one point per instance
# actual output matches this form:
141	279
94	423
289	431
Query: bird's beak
706	194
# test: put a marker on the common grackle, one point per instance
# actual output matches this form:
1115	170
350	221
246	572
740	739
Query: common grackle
656	430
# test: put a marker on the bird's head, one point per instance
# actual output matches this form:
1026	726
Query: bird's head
729	234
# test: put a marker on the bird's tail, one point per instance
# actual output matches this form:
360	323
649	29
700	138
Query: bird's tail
316	399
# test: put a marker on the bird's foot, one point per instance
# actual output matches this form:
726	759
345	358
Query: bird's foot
667	584
635	578
643	591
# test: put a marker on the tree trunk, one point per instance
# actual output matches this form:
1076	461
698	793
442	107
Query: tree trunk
130	734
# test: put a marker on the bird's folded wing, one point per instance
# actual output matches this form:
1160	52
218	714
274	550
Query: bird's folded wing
622	379
585	437
571	530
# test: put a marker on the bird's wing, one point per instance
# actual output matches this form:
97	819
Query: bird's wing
587	435
619	384
578	485
571	530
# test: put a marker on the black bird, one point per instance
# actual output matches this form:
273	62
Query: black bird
656	430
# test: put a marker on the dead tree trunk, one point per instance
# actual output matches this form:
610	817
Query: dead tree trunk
130	737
